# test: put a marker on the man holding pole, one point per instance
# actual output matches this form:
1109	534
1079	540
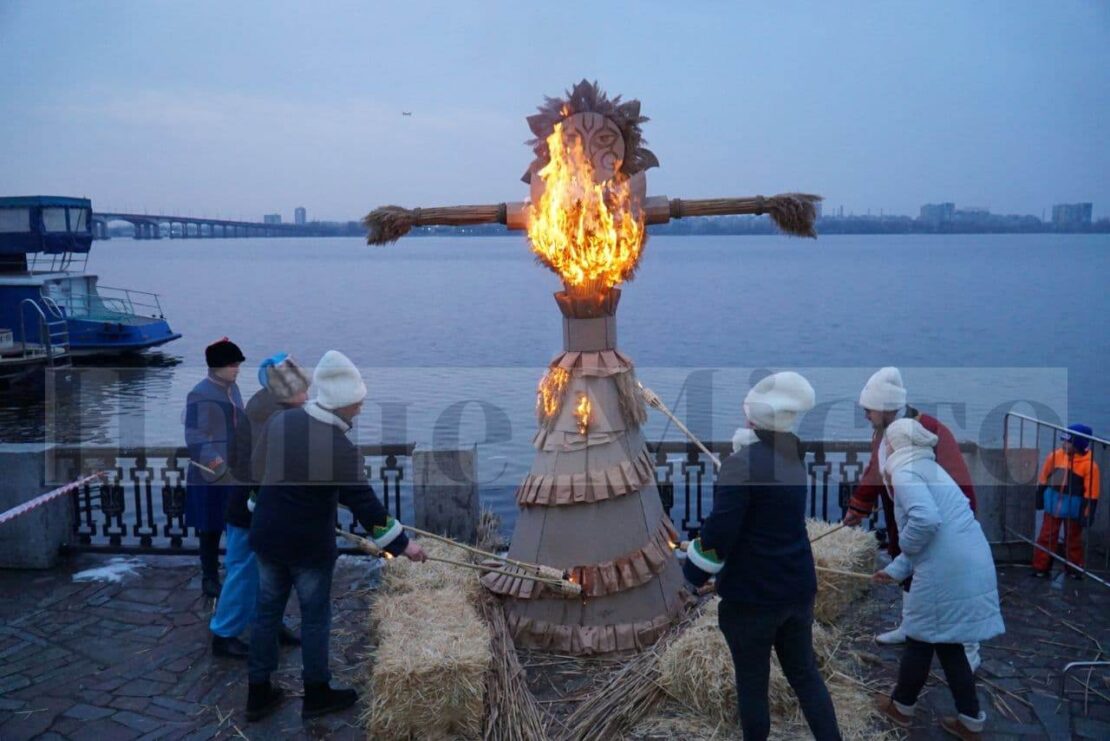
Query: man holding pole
311	467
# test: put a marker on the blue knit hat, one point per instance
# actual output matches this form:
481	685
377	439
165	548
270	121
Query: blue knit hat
269	363
1080	443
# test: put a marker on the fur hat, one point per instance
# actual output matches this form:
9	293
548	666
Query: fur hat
222	353
775	402
282	376
884	391
338	382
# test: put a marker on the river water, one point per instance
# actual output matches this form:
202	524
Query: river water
453	333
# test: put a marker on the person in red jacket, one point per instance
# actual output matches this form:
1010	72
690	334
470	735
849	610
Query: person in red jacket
1068	488
884	400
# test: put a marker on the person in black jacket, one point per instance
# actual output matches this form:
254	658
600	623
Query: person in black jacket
755	543
311	467
284	386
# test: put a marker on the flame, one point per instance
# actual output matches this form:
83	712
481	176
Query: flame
582	413
388	556
590	234
549	394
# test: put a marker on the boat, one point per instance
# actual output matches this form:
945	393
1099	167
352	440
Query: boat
44	249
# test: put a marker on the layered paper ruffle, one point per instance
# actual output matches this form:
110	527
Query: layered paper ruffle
627	571
587	486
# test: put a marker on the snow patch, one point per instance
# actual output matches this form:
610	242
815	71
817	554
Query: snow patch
114	572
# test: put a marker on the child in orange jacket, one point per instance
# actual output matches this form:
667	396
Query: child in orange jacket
1068	488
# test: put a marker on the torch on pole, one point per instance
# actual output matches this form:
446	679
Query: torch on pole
652	400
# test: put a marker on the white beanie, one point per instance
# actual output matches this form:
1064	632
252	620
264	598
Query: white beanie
884	391
337	381
909	433
775	402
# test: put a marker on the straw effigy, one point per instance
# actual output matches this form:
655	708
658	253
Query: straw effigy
696	670
847	549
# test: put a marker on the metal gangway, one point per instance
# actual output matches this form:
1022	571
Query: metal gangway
53	331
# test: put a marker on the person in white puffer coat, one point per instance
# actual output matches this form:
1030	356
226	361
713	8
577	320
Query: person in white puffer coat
954	599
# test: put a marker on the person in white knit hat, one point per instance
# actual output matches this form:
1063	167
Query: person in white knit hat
954	599
883	399
756	545
311	466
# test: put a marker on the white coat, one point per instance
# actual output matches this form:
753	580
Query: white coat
954	595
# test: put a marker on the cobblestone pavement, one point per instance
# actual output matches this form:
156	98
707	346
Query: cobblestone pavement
132	660
1048	624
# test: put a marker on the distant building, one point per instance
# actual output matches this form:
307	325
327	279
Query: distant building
299	216
271	219
937	212
1071	214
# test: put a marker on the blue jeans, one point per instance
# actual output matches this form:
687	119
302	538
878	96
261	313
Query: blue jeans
313	585
235	610
751	631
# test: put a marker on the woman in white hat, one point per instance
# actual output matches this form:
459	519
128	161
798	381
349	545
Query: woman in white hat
755	543
954	599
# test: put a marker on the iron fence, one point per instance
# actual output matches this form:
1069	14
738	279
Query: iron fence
139	507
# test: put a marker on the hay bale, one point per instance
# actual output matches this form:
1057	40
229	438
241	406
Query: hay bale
428	675
400	576
848	549
697	671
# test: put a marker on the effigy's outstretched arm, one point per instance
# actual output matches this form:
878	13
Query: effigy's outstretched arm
794	213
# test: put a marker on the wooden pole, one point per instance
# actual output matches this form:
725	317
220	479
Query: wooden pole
548	571
655	402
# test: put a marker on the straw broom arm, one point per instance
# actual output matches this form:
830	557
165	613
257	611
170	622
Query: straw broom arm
794	213
390	223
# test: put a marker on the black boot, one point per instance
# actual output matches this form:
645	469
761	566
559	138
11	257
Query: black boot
229	648
211	587
210	563
262	699
287	637
321	699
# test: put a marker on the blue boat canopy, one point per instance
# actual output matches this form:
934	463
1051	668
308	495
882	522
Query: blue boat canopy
49	224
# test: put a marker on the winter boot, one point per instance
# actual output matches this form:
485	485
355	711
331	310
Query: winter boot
963	727
321	699
262	699
229	648
897	713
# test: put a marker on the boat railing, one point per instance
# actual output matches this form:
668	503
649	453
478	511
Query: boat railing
59	262
113	303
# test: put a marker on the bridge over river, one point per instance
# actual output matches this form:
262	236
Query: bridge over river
157	226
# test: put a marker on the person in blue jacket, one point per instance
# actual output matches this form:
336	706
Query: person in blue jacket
213	409
756	545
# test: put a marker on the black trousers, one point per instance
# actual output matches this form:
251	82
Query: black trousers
210	554
917	658
751	631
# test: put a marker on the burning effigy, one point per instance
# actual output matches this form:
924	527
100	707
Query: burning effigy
589	506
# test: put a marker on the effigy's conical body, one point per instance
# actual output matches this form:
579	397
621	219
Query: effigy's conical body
590	504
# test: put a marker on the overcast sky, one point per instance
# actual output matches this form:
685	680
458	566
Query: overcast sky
238	109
